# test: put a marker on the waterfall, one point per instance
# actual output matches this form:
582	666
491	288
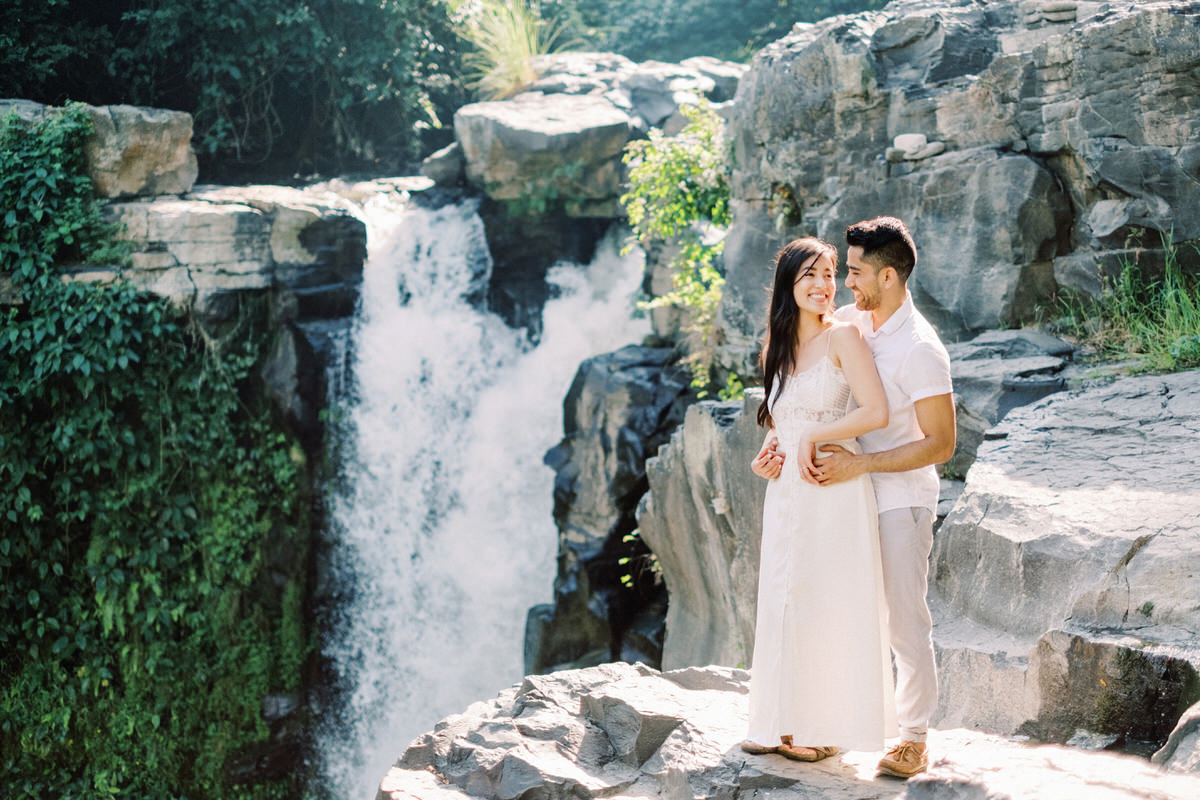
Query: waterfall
442	510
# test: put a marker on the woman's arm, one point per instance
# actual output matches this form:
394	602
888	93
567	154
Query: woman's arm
849	348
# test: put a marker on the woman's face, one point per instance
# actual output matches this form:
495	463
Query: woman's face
815	285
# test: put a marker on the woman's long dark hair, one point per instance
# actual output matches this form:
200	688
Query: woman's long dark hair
778	356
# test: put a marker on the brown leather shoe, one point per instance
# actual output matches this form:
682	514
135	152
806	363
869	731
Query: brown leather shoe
797	753
756	749
905	760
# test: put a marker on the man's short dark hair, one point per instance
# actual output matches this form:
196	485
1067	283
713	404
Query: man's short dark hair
886	242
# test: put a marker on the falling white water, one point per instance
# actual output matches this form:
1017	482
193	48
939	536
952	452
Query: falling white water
443	512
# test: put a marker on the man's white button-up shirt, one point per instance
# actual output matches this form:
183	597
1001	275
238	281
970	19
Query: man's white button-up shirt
913	364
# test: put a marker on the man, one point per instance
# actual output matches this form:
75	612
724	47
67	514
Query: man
915	370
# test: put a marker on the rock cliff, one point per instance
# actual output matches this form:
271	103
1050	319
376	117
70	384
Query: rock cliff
1054	134
1065	584
621	730
620	408
1063	589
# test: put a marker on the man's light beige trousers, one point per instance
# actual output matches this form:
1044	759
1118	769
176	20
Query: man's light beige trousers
905	539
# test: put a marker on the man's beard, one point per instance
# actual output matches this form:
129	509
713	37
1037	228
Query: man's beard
866	302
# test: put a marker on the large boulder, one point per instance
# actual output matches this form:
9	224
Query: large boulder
539	148
133	151
1066	583
631	731
558	144
619	409
137	151
1054	137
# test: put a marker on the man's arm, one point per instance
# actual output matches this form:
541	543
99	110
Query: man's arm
935	415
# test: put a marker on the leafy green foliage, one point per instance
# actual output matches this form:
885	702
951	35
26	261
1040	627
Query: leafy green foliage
141	484
1154	318
507	35
679	191
49	211
672	30
323	84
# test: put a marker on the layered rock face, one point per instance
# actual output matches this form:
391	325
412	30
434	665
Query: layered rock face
702	518
1063	587
621	730
1053	136
296	255
619	409
301	250
1068	584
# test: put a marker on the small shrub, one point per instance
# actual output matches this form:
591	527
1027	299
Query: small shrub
679	190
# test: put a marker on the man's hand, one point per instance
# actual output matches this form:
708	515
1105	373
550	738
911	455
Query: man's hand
769	461
805	454
839	465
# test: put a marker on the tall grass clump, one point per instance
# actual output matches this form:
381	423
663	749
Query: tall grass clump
1154	319
507	35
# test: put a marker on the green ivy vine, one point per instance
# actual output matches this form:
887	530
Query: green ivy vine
146	495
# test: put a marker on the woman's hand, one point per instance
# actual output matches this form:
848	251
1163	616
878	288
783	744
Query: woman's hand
769	461
804	460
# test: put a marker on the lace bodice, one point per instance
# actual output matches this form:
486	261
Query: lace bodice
817	394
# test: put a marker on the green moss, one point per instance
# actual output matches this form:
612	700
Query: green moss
1148	696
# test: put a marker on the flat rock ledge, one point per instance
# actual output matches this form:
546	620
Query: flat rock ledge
626	730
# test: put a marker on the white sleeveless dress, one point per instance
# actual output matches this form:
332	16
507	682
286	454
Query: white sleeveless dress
821	669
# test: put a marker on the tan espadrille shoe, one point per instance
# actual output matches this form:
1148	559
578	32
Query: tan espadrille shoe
905	760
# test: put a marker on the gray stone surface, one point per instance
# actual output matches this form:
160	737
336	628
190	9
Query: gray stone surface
619	409
996	372
133	151
621	730
554	146
1062	579
1065	132
702	518
228	239
559	143
1181	753
445	167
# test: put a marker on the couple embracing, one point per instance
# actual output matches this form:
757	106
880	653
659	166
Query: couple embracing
859	408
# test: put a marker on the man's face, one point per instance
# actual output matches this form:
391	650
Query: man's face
862	279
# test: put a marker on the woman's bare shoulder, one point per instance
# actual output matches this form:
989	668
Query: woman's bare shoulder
845	333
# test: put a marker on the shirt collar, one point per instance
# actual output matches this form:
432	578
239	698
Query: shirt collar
898	318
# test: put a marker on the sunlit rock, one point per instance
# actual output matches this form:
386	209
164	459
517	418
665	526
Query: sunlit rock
1181	753
621	730
1067	128
133	151
996	372
1062	579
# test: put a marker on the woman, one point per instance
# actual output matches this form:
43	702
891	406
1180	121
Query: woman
821	675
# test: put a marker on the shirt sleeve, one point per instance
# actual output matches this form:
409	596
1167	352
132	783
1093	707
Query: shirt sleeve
926	372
